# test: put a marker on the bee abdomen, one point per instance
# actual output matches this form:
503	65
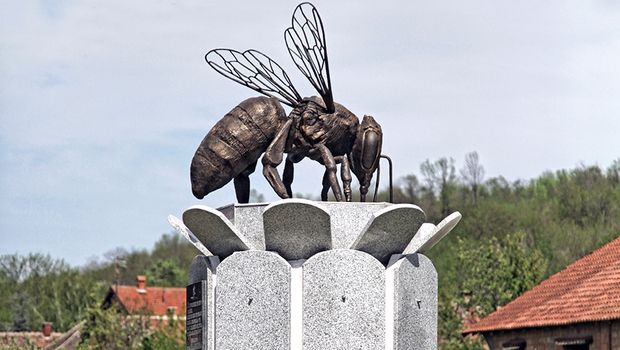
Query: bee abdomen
235	142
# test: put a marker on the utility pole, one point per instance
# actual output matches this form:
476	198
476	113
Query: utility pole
118	264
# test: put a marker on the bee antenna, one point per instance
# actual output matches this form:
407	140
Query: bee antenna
374	196
390	178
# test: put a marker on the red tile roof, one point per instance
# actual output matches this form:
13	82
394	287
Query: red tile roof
151	300
21	340
587	290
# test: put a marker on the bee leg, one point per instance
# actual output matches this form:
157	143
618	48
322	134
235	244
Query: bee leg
326	186
330	170
242	184
345	175
273	158
288	174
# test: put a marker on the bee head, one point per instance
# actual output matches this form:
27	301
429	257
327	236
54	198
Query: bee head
366	153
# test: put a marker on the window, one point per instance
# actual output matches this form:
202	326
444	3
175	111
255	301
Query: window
574	343
577	347
514	344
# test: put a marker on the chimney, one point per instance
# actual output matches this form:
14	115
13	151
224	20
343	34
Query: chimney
141	283
46	329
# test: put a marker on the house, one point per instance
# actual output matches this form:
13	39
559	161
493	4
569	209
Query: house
70	340
577	308
158	303
42	339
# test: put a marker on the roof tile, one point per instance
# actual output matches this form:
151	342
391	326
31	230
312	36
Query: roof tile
152	300
587	290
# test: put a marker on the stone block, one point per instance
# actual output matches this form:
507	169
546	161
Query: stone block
296	228
200	302
411	284
203	268
214	231
389	231
348	219
344	301
253	302
248	219
336	299
297	304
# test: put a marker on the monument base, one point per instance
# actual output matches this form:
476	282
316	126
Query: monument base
298	274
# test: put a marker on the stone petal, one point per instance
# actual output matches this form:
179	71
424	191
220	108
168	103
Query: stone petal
296	228
214	231
443	228
389	231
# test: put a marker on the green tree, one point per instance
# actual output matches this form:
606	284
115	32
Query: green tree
20	311
613	172
174	247
109	330
409	189
112	330
473	174
166	273
167	336
441	179
492	274
7	293
171	247
42	289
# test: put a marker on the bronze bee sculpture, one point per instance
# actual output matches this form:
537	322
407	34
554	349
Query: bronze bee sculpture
317	127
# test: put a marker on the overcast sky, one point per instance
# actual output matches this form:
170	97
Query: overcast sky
103	103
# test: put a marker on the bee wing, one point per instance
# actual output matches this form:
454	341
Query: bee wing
305	40
256	71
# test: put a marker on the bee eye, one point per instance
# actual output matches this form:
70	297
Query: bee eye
370	150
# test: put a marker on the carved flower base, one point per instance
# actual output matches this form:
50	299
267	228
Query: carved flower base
298	274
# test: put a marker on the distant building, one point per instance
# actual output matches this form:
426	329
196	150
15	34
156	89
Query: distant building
158	303
42	339
577	308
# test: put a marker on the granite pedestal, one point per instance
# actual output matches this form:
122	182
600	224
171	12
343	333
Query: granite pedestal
297	274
